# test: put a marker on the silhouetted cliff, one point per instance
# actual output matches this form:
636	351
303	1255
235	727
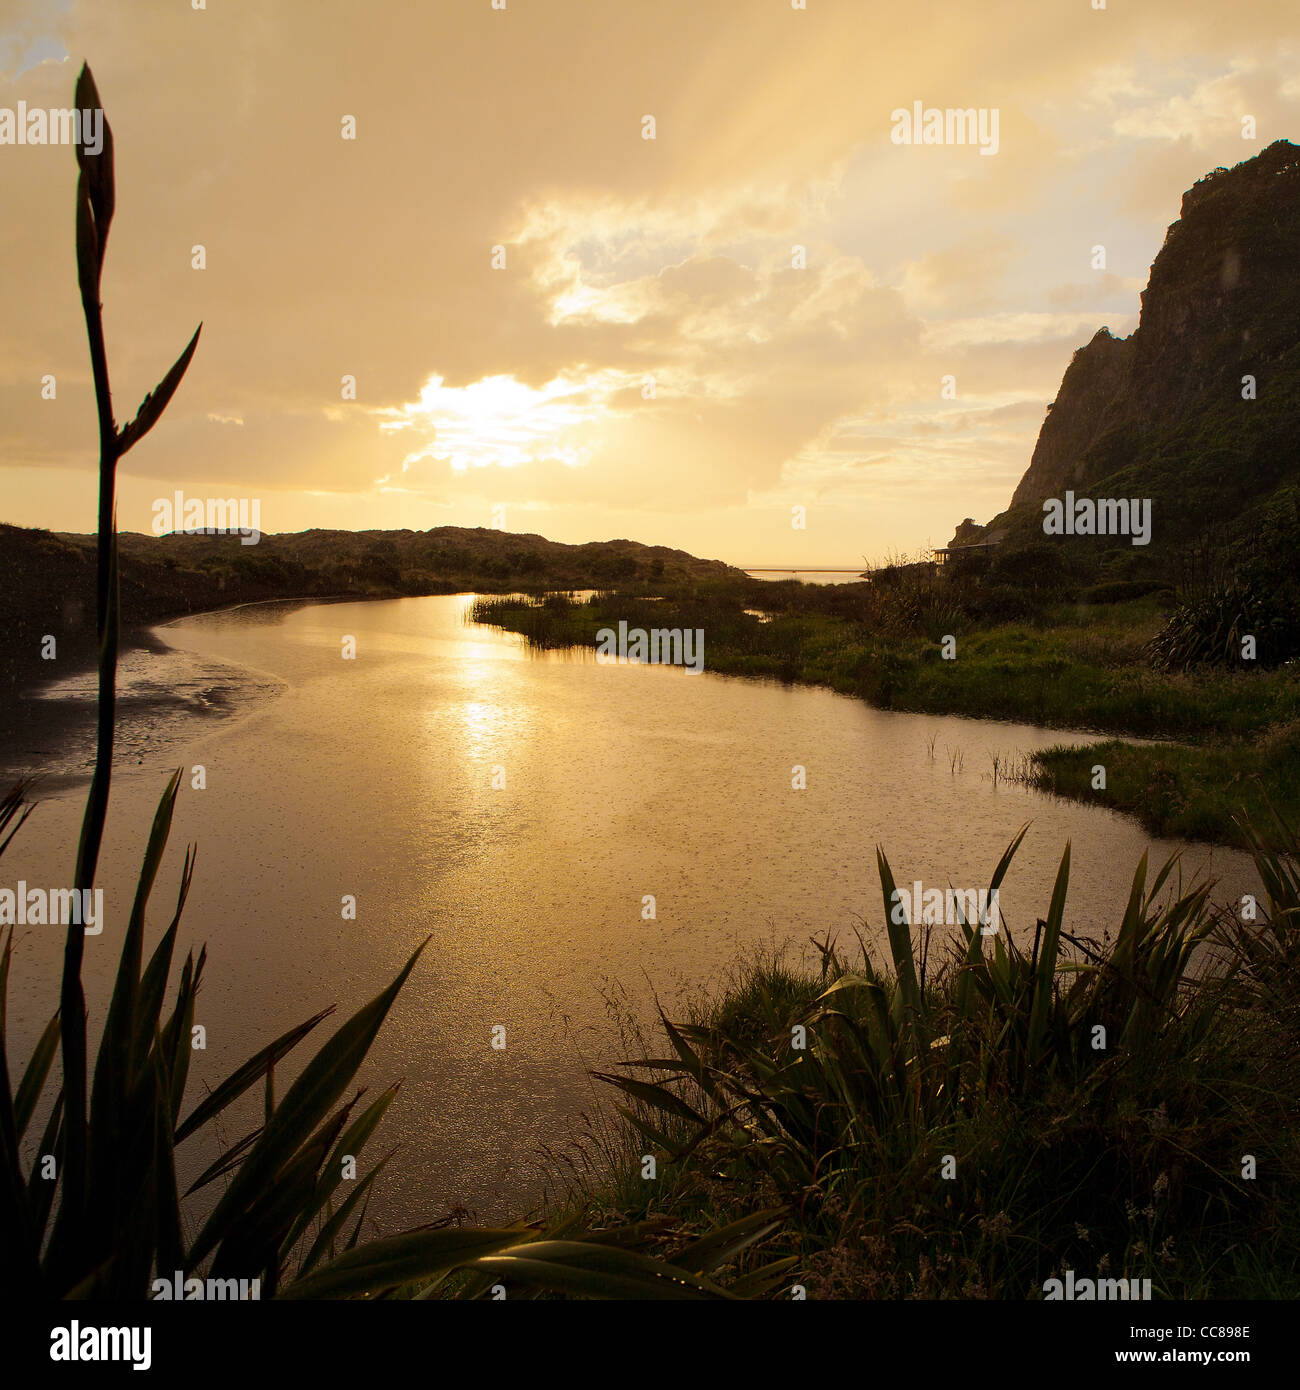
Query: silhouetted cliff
1166	413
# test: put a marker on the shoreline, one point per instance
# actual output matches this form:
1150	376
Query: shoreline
1161	777
47	738
1187	754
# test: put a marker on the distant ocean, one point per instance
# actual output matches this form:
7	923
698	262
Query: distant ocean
812	576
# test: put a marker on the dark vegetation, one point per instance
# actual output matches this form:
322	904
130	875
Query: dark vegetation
1042	635
969	1119
1164	414
47	580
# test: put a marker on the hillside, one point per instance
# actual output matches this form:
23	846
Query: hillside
47	578
1162	414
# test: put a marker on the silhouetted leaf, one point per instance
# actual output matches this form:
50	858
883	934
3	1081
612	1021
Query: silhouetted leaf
308	1099
155	402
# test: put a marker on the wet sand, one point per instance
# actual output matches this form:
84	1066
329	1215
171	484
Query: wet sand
47	732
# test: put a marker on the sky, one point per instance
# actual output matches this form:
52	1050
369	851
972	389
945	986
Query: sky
773	312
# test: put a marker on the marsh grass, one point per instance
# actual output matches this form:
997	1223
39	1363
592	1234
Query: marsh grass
1117	1153
1181	791
1075	667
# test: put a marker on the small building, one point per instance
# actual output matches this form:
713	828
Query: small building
945	553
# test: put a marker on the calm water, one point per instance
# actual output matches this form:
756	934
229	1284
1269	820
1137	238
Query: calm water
374	777
834	576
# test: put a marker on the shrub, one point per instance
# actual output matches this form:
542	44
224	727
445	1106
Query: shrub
1121	590
1086	1092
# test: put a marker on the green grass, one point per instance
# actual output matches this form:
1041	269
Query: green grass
1077	667
1182	792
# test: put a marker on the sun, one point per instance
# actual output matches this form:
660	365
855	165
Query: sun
499	421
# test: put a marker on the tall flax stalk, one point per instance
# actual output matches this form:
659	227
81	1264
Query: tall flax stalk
119	1221
95	202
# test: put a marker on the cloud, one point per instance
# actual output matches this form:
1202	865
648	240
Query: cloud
625	260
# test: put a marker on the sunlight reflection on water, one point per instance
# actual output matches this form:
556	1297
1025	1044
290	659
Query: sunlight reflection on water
374	778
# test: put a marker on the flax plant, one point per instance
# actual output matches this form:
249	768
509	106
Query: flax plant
916	1105
119	1218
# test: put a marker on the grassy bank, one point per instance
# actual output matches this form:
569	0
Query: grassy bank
970	1120
1184	792
1072	666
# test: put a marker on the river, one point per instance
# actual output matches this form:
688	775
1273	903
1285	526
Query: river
373	778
